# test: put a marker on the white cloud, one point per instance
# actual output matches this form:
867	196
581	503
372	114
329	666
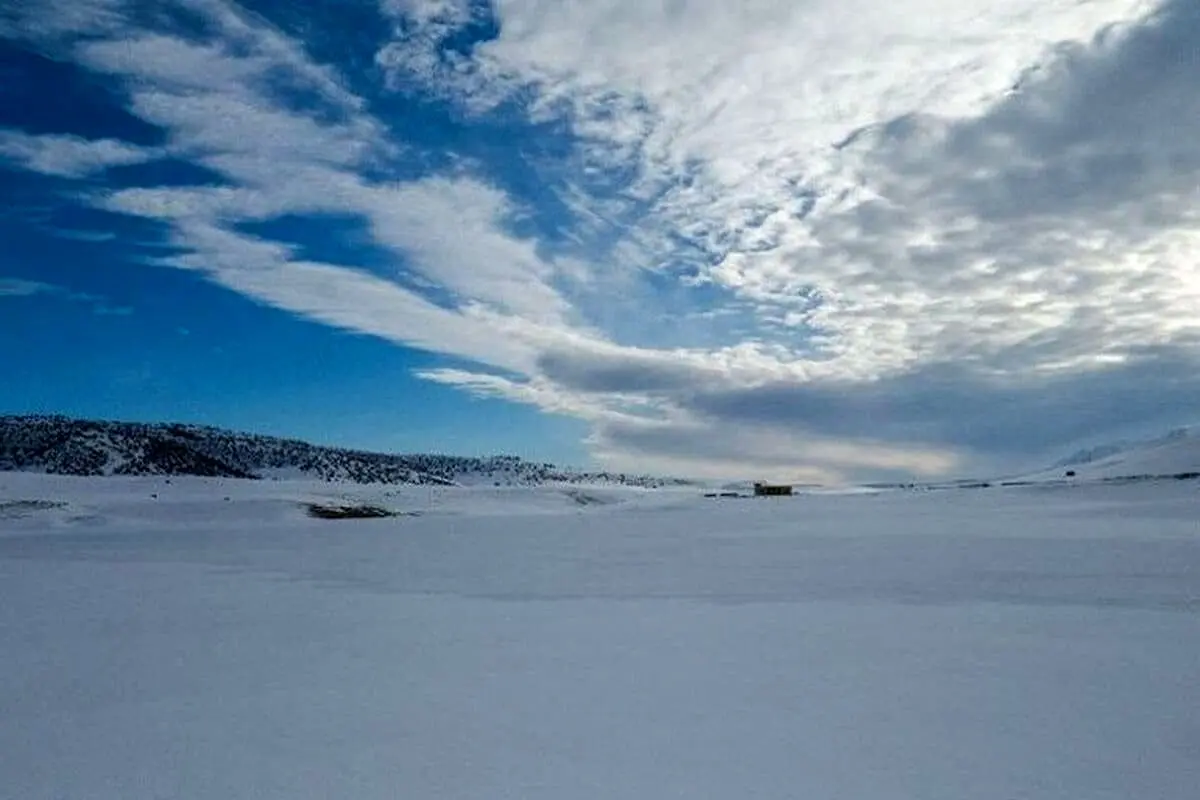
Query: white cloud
747	105
276	49
540	393
219	107
15	287
1006	186
217	101
454	230
645	436
47	20
424	25
82	235
362	303
68	156
700	448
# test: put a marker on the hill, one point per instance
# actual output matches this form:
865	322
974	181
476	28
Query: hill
1175	455
65	446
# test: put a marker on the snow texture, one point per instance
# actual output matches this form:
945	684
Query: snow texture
204	638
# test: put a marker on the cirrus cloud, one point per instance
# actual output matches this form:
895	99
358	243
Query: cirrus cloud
68	156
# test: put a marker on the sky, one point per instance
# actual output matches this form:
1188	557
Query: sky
828	240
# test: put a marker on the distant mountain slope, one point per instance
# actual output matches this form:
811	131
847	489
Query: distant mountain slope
1177	453
67	446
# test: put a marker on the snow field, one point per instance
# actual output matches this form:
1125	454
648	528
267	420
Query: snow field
1031	643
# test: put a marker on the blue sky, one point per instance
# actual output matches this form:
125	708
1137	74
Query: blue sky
820	241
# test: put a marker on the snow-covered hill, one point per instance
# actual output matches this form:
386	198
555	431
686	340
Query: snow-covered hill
1175	455
64	446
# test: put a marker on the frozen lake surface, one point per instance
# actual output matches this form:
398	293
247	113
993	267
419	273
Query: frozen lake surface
589	644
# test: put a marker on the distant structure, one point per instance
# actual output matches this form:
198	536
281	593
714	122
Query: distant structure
772	490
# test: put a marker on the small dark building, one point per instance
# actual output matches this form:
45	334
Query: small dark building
772	490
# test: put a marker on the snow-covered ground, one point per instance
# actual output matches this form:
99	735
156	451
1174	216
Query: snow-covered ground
588	643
